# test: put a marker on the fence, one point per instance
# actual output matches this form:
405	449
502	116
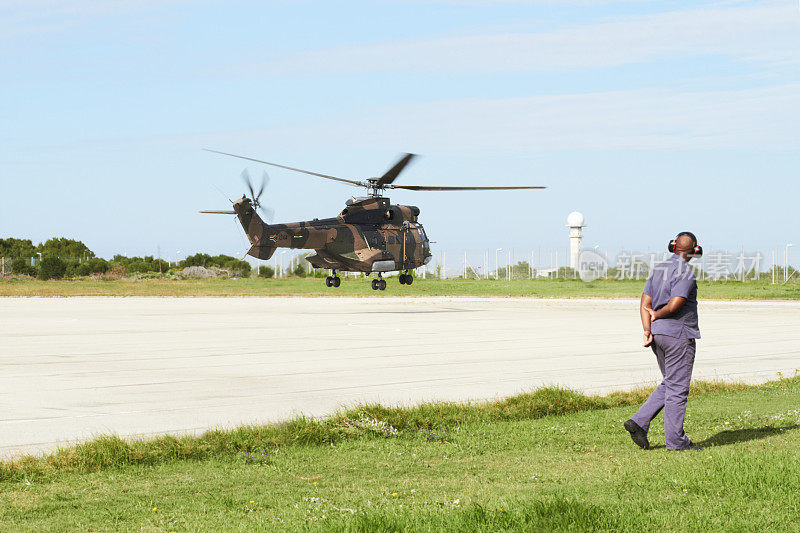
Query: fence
497	263
500	264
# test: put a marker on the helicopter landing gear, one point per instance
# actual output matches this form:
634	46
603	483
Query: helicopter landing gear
406	279
333	281
379	284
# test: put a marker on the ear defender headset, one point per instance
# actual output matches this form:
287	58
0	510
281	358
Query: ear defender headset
696	252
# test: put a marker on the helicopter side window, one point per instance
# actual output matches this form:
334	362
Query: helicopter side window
422	234
390	240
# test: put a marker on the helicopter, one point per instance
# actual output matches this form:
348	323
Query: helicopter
370	235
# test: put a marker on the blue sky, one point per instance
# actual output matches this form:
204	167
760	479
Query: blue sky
649	117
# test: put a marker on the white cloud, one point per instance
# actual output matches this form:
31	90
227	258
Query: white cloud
760	31
766	118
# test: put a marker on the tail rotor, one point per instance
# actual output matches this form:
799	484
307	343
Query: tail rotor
267	212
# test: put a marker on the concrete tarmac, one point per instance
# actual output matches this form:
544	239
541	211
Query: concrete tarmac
77	368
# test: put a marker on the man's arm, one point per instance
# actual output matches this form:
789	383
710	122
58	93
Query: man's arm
673	306
678	295
645	313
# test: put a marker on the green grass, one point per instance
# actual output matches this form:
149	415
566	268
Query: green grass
361	287
548	460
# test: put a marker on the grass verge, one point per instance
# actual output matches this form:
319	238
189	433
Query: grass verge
368	420
360	287
552	460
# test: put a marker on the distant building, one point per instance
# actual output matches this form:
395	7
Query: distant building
575	223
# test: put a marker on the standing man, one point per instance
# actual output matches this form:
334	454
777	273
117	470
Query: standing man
669	317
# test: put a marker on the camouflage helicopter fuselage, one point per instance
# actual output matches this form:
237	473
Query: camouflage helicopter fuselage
369	235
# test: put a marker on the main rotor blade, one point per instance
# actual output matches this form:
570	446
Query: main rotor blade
222	193
247	181
267	212
438	188
351	182
264	182
220	212
393	172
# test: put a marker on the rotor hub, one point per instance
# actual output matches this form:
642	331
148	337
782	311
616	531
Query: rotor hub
375	187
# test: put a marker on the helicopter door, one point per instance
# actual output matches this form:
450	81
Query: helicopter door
410	239
373	239
405	236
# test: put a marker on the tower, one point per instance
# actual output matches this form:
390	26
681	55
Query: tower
575	223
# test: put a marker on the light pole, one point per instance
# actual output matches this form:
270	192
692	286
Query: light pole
283	272
530	270
773	267
786	263
497	264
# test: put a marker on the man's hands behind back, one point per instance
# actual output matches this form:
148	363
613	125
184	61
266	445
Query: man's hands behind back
648	339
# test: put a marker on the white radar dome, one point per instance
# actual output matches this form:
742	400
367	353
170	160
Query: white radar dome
575	219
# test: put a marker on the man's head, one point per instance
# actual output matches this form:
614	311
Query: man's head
685	245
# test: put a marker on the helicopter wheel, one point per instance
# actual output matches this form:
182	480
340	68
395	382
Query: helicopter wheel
381	284
409	279
375	284
402	279
337	281
329	281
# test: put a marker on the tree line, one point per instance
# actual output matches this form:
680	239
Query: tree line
61	257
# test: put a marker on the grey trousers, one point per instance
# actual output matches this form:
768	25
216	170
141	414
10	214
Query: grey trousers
675	359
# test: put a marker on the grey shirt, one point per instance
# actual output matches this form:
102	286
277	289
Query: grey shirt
673	278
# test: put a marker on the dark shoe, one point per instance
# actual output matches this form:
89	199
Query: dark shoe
692	447
638	435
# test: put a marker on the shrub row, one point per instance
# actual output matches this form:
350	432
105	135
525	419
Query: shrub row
54	267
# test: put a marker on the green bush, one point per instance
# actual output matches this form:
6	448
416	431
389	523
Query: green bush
22	265
225	262
203	260
237	266
12	247
51	267
63	247
265	271
133	265
71	270
95	265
